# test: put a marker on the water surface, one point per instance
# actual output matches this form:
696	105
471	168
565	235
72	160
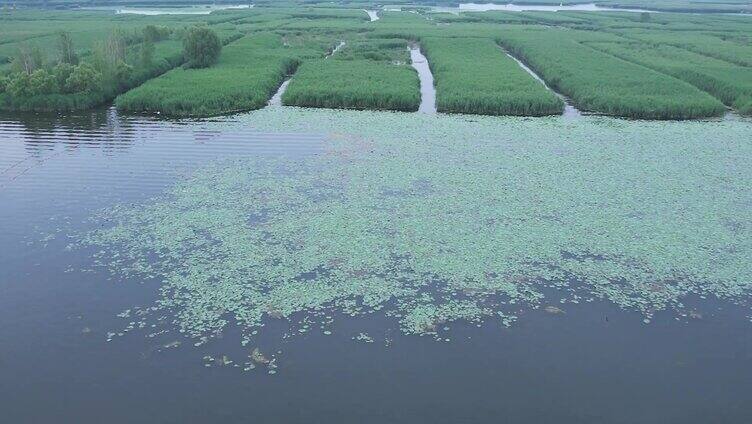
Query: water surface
427	89
584	362
185	10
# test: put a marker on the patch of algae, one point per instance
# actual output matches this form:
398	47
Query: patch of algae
438	219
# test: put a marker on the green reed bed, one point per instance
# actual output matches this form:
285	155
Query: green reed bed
599	82
247	74
473	75
729	83
368	74
731	50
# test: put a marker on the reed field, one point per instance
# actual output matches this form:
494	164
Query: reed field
365	74
473	75
599	82
729	83
732	49
247	74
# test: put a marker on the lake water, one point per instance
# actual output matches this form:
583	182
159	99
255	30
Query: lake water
666	205
185	10
427	89
584	7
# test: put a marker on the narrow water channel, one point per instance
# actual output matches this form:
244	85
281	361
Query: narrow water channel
276	99
569	110
336	49
427	90
374	15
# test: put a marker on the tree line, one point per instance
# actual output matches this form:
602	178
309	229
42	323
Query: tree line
119	62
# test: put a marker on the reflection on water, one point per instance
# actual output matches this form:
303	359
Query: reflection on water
40	153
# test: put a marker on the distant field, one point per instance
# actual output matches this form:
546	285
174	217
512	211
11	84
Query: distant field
474	76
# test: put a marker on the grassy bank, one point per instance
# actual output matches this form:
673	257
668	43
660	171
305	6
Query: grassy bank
247	74
473	75
599	82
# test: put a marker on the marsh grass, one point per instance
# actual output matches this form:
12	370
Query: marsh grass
729	83
473	75
600	82
247	74
366	74
354	84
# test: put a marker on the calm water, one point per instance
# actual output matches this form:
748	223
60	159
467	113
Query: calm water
592	364
584	7
427	89
186	10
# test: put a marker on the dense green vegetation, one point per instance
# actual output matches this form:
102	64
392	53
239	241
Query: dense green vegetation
354	84
600	82
201	47
729	83
365	74
116	64
474	76
247	74
639	65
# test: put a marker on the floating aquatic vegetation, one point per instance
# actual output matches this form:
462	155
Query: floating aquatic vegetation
432	220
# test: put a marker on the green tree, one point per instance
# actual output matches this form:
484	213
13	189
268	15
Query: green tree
28	59
155	33
122	73
42	82
62	71
147	53
201	47
83	78
18	85
66	51
3	83
109	53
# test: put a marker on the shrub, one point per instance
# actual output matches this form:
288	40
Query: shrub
201	47
83	78
42	82
62	71
18	85
155	33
